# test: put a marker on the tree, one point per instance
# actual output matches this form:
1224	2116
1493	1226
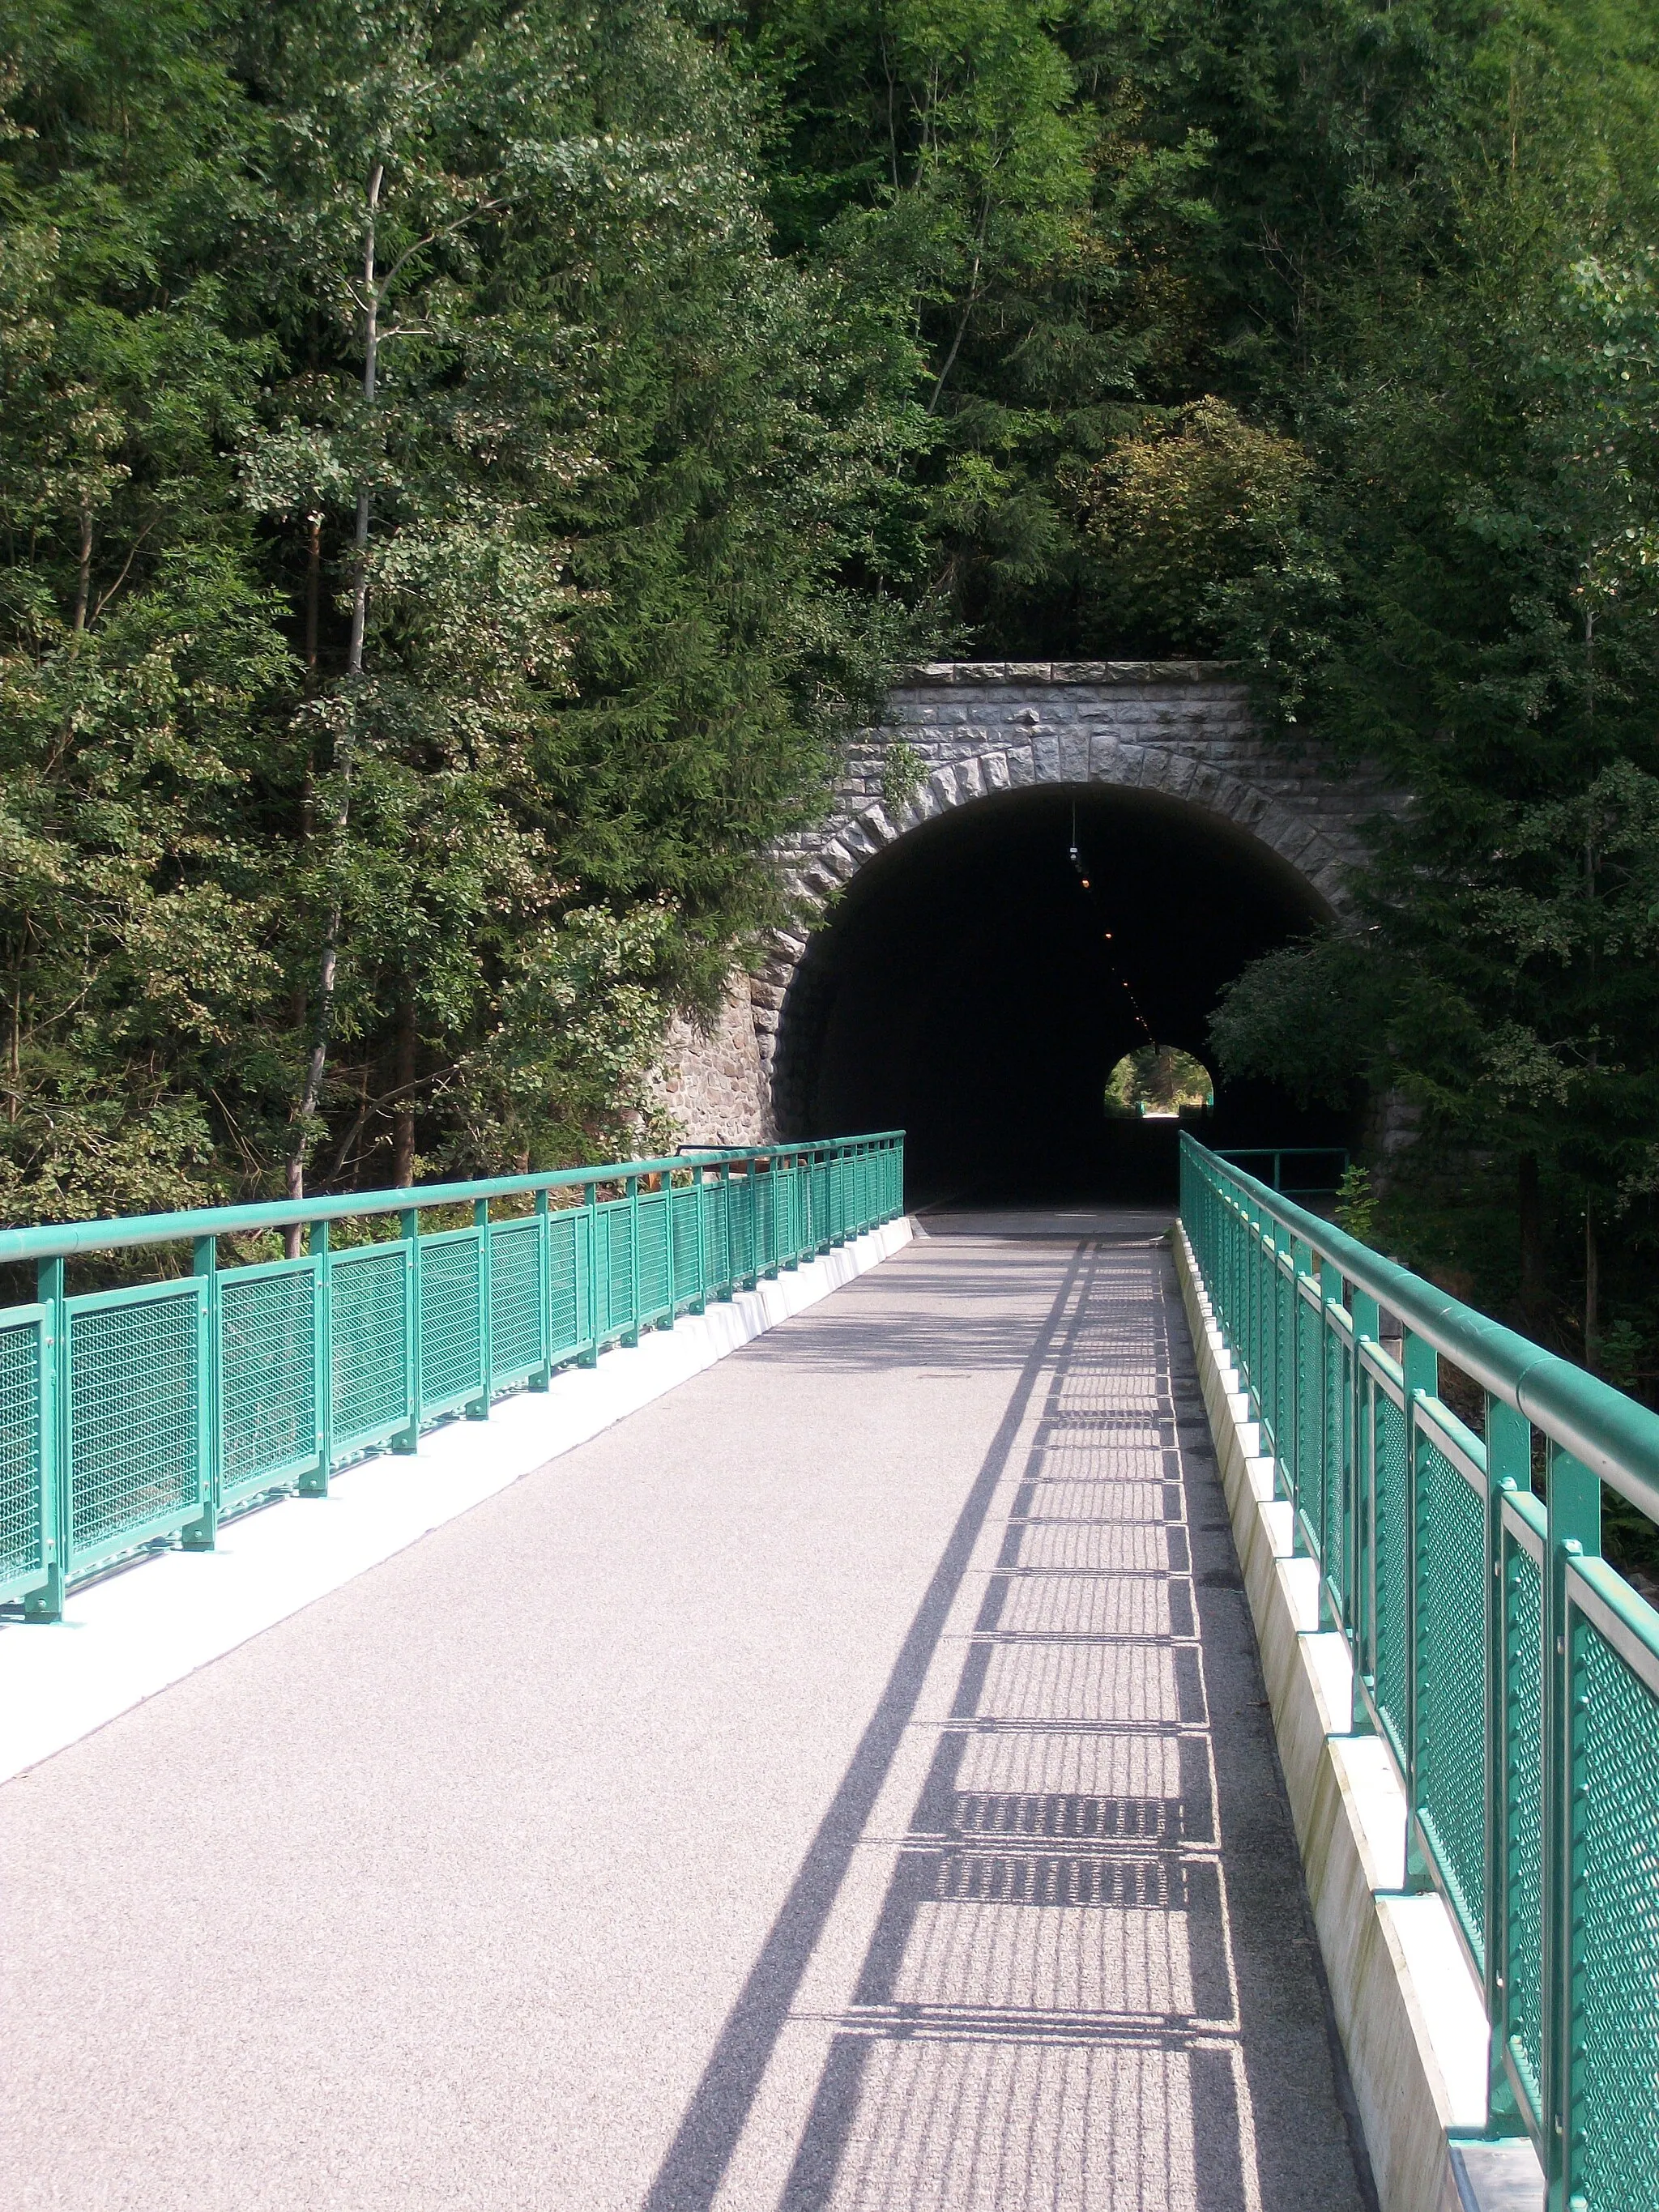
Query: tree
992	168
442	546
1486	630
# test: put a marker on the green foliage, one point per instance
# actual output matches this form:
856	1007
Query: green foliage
1471	608
427	514
1356	1204
462	470
996	170
1196	502
903	771
1309	1016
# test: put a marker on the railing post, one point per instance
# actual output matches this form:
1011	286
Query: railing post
1281	1244
789	1234
1255	1305
722	1296
315	1484
1302	1269
1509	1470
1333	1482
589	1355
408	1438
479	1408
203	1533
1575	1531
1421	1368
1362	1508
57	1526
542	1378
631	1333
699	1222
671	1273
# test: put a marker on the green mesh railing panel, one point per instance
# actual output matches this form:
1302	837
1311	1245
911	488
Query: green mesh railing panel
766	1226
134	1437
1451	1674
717	1234
566	1319
654	1255
1389	1550
1614	1917
1267	1386
1535	1795
22	1535
127	1415
268	1373
370	1346
452	1348
1523	1810
515	1299
740	1203
1331	1516
616	1275
686	1209
1309	1422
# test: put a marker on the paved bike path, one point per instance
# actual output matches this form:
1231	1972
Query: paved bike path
844	1786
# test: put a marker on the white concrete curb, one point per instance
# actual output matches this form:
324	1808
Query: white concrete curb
124	1638
1410	2013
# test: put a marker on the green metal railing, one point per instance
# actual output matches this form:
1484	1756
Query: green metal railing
1267	1162
142	1411
1512	1673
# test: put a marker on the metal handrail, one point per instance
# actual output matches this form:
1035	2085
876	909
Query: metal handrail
69	1239
140	1413
1512	1673
1617	1438
1238	1154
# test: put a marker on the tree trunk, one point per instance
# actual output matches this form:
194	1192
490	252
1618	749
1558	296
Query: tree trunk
313	594
294	1177
328	967
402	1132
83	567
1529	1208
1592	1284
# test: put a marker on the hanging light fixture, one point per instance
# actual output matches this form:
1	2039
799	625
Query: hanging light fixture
1075	859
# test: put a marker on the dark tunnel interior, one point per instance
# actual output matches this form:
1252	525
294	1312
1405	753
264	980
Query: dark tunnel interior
964	988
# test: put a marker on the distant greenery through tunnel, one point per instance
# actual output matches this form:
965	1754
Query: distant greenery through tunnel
1160	1080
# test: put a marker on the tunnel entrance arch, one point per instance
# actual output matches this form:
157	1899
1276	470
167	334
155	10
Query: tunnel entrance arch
1175	742
975	984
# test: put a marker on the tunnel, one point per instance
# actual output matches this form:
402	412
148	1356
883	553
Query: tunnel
975	985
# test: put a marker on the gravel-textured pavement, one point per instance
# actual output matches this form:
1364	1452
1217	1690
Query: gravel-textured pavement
844	1786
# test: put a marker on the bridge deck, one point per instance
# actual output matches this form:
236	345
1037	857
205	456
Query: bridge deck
846	1783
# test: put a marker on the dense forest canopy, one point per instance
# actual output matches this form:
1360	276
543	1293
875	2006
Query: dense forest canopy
463	466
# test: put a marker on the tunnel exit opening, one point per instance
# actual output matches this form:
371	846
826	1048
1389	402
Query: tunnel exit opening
978	982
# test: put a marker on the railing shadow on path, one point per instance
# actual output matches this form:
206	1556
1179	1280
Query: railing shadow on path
1092	1980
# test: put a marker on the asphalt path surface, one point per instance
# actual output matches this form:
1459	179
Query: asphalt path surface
844	1786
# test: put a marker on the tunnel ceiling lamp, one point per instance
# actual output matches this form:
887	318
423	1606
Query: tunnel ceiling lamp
1075	859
